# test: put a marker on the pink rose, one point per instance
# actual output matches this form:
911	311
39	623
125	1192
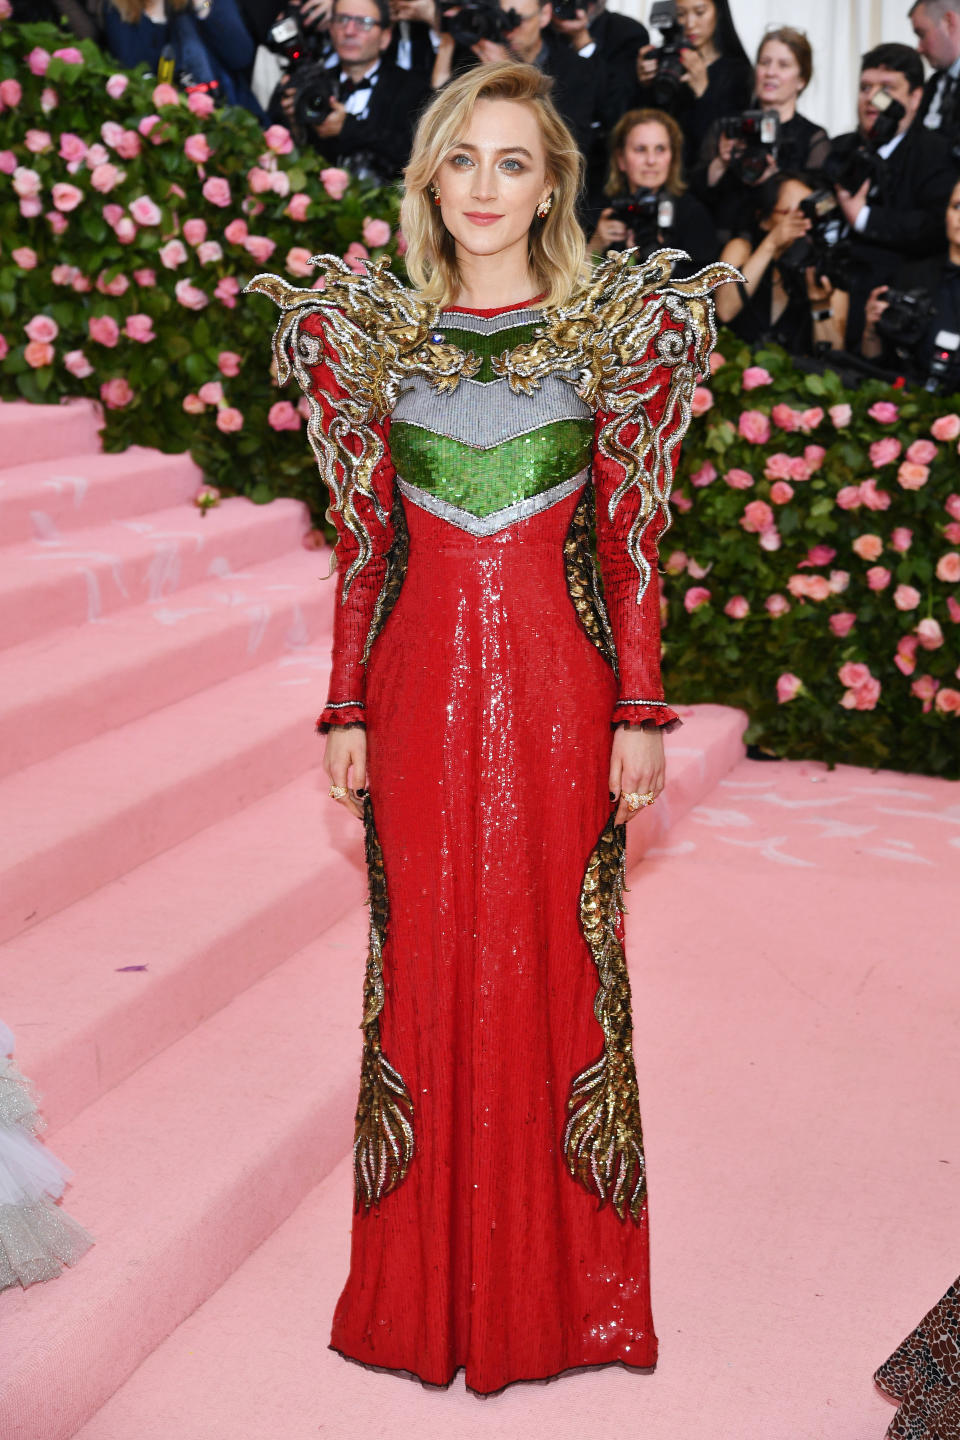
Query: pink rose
873	498
925	688
868	547
853	674
211	393
57	222
194	231
145	278
754	376
701	401
715	362
699	572
952	506
683	503
777	467
810	587
948	701
165	95
38	353
878	578
905	658
200	103
839	581
705	475
913	477
696	596
948	567
116	85
193	405
145	211
777	605
788	687
929	634
335	182
139	327
298	261
77	363
117	286
922	452
258	180
283	416
260	247
252	207
863	697
278	139
172	254
97	154
112	213
81	284
229	362
104	330
739	479
125	230
848	498
799	469
189	296
945	427
229	420
227	291
953	609
842	623
884	412
820	555
37	141
110	133
148	124
905	597
66	197
72	148
236	232
298	206
38	60
811	419
377	232
354	255
676	562
64	274
840	415
754	426
197	148
757	517
8	162
210	252
31	208
280	183
24	257
901	539
781	492
105	178
217	191
770	539
814	456
885	451
951	532
785	418
70	55
116	393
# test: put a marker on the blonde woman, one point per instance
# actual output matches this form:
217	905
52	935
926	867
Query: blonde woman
496	725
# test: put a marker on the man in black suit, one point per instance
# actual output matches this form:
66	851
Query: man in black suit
376	103
936	24
616	39
896	213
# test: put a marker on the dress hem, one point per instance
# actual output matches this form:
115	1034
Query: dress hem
485	1394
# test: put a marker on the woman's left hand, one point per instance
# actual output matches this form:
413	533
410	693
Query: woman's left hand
637	766
696	68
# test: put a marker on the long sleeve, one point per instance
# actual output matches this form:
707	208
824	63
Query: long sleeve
636	622
354	613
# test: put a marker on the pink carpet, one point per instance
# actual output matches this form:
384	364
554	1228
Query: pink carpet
182	970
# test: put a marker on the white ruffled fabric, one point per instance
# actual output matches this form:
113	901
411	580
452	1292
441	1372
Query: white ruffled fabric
37	1238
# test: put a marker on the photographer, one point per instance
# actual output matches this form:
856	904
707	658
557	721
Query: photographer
936	24
651	205
786	298
739	153
915	329
699	72
892	177
617	40
298	38
359	110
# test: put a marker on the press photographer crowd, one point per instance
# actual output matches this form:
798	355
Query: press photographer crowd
849	246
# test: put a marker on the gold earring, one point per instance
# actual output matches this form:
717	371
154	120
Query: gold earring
543	208
435	192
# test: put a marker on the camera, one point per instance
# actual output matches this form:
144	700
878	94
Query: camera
667	84
759	134
850	169
944	369
825	247
646	213
312	82
480	20
907	317
567	9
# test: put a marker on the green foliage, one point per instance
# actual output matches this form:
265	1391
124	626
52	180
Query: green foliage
838	485
63	273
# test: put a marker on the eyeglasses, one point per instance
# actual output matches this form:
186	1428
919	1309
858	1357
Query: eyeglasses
366	23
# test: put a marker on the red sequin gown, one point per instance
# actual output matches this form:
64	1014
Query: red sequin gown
489	711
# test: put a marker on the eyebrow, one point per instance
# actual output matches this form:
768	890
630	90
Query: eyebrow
507	150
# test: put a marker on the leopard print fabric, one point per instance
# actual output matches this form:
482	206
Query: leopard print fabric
923	1375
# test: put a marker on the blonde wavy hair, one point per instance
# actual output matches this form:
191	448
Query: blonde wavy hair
557	247
617	183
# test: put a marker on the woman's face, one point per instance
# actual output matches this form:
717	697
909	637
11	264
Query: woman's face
953	218
646	156
699	21
788	200
493	178
778	78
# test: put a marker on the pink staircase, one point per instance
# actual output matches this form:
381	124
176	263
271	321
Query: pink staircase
181	906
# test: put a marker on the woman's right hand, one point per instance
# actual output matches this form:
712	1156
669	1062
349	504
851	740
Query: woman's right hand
875	307
647	63
609	231
788	228
345	761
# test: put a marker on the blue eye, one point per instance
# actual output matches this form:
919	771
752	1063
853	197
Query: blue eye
455	160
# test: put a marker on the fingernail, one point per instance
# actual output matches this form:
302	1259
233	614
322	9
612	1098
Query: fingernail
361	792
612	796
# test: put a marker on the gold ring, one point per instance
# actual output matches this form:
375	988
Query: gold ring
634	802
338	792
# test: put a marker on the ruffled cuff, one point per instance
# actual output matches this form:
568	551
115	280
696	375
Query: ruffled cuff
640	712
341	712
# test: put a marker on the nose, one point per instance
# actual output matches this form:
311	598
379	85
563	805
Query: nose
484	185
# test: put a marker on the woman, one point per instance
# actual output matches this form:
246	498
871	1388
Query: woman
513	727
646	154
784	70
783	300
716	73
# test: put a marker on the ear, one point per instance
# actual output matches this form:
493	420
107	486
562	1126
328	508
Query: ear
385	37
913	102
546	15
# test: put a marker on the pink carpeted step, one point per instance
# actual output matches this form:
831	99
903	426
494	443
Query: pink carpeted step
95	811
135	966
46	432
82	576
78	682
795	1033
40	499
